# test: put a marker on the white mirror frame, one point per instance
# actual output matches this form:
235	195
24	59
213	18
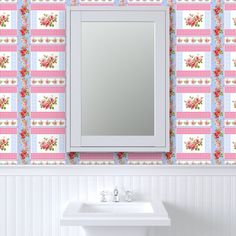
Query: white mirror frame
75	142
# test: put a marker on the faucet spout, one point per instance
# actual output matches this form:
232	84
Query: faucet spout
116	195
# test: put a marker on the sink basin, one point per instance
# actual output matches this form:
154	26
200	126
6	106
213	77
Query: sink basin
116	208
115	214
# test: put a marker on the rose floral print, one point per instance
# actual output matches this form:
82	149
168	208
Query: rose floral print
193	20
234	103
48	20
4	101
234	61
234	20
3	20
48	102
4	60
194	103
120	158
194	61
48	61
48	144
234	145
4	142
193	144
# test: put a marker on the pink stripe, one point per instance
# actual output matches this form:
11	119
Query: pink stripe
144	4
230	130
193	89
230	89
230	115
186	73
143	156
190	115
230	32
47	156
8	115
57	73
230	73
54	32
8	130
96	156
8	48
230	156
48	115
230	48
8	73
8	156
8	6
47	131
8	89
231	6
193	48
8	32
96	4
47	89
190	32
193	156
193	6
48	48
44	7
193	130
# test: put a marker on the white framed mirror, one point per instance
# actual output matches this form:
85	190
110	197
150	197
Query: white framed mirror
117	79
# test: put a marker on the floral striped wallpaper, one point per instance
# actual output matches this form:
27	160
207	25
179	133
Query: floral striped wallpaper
203	83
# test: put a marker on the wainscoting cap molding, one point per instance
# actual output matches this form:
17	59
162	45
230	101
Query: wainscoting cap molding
115	170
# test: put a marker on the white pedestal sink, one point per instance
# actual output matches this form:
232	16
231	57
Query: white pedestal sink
115	219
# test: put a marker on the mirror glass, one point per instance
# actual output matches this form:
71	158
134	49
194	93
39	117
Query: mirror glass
117	78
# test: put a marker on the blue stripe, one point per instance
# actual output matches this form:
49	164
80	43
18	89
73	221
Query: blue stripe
208	102
179	20
179	60
179	102
207	19
208	143
13	102
179	143
13	143
13	20
33	102
227	19
34	20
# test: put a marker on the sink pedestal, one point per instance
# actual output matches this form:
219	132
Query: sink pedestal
115	231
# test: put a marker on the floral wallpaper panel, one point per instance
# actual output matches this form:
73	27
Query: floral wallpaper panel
202	79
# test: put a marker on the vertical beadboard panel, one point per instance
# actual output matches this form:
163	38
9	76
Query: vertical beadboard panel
11	206
3	205
20	205
64	193
197	205
232	214
46	205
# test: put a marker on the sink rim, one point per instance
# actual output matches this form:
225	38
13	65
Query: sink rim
71	216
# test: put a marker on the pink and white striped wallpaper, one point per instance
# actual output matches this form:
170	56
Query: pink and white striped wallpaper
202	76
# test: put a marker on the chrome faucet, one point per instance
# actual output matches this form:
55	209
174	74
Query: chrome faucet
116	195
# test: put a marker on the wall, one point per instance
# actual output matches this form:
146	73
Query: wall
199	200
32	83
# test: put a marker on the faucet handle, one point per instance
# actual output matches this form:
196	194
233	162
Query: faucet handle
128	196
103	196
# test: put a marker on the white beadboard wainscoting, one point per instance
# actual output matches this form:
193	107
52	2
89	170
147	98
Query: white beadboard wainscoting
200	200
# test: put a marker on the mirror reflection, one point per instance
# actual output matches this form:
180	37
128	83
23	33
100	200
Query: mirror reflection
117	78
